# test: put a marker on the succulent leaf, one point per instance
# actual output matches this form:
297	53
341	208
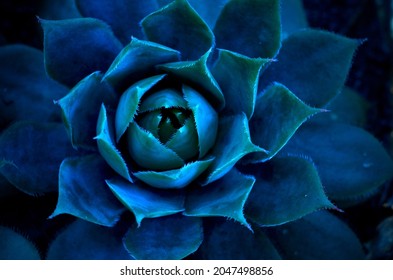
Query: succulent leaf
166	98
13	246
178	26
293	17
166	238
83	192
67	61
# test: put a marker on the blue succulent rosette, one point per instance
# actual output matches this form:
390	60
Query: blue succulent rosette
208	122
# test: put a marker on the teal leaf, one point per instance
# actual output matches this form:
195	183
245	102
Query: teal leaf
136	61
148	152
166	98
206	119
318	236
83	192
348	107
313	64
178	26
278	114
176	178
198	75
250	27
26	92
122	15
167	238
185	141
227	240
349	160
28	150
293	17
233	142
286	189
146	202
129	102
14	246
81	107
225	197
82	240
107	148
238	77
68	62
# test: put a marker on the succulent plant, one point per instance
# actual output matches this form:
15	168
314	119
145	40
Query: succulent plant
195	125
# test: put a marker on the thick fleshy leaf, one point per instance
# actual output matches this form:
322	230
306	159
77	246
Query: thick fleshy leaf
74	48
122	15
166	238
293	17
151	122
166	98
198	75
250	27
233	142
348	107
137	61
185	141
148	152
178	26
83	192
26	92
50	10
278	114
28	150
350	161
286	189
146	202
81	108
6	188
315	237
176	178
14	246
107	147
227	240
225	197
313	64
129	102
238	77
82	240
206	119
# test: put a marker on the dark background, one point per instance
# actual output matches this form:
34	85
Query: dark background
371	76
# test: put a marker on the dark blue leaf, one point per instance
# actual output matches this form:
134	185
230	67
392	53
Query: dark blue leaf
293	17
75	48
31	154
59	9
122	15
14	246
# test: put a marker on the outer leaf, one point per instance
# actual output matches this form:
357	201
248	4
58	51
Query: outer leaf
74	48
313	64
279	113
86	241
149	152
107	148
83	192
26	92
122	15
250	27
233	142
81	108
28	150
317	236
129	102
146	202
137	61
286	189
293	17
169	238
178	26
238	77
350	162
198	75
206	119
225	197
13	246
176	178
227	240
50	9
6	188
